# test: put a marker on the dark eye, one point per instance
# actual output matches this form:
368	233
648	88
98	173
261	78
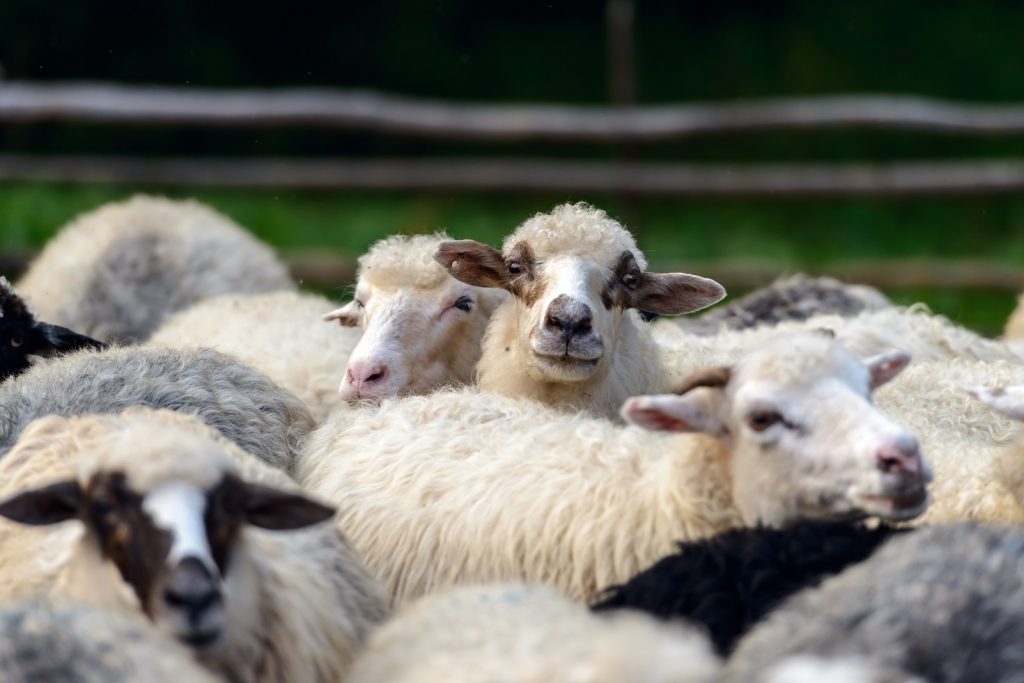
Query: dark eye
360	304
16	342
763	419
515	268
464	303
631	279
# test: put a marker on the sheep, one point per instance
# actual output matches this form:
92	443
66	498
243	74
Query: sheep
182	526
942	604
22	335
729	582
528	634
116	272
279	334
797	297
238	401
572	335
69	643
1014	329
422	328
467	486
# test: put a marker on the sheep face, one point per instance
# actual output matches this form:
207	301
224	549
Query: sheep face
414	339
806	440
173	546
570	304
22	336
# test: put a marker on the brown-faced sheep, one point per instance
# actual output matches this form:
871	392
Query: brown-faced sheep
176	522
116	272
571	335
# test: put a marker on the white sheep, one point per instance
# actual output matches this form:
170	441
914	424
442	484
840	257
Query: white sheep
468	486
528	634
421	328
238	401
572	335
71	643
115	273
942	604
179	524
279	334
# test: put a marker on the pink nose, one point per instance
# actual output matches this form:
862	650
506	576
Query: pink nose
363	377
903	456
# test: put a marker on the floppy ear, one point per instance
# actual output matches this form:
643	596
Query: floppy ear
885	366
48	505
675	293
696	411
54	339
269	508
476	264
347	315
1008	401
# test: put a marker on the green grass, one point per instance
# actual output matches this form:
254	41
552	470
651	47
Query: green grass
794	235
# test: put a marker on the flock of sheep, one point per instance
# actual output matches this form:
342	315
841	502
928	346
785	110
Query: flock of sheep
525	476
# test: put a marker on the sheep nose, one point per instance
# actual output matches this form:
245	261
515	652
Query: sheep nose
901	456
568	317
192	589
364	375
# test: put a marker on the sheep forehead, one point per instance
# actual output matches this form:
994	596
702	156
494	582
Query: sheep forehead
402	261
179	508
11	301
155	456
795	362
576	229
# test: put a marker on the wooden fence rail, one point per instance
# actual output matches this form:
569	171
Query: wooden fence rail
771	180
25	102
317	268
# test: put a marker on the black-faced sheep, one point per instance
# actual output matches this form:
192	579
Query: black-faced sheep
528	634
466	486
177	523
943	604
22	335
116	272
730	581
43	642
238	401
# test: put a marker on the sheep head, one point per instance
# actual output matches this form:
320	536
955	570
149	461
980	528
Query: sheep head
421	328
574	274
164	515
22	336
805	439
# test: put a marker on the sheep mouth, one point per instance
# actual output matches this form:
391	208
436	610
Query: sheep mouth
201	640
898	507
566	365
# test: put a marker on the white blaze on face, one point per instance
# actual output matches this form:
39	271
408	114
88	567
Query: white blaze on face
179	508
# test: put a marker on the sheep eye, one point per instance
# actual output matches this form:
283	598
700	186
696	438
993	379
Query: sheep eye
631	279
360	304
763	419
515	268
464	303
16	342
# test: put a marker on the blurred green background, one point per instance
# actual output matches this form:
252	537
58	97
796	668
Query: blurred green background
548	52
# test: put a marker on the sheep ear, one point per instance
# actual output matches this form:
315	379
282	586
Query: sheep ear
48	505
695	411
347	315
476	264
54	339
675	293
1008	401
885	366
270	508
